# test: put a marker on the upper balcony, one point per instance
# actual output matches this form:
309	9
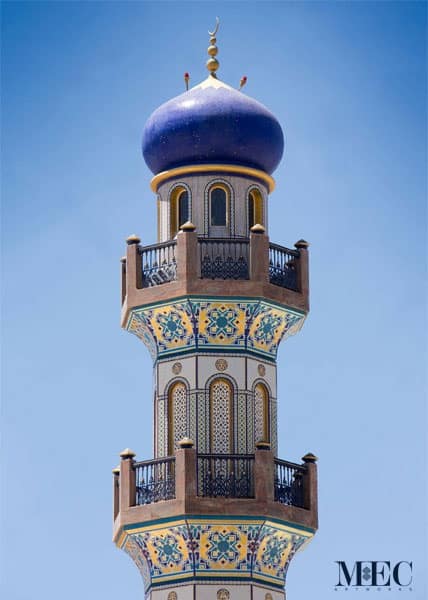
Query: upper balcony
190	264
190	483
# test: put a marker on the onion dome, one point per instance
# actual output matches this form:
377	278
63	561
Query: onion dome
212	123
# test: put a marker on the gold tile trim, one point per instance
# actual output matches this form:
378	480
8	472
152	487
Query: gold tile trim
192	169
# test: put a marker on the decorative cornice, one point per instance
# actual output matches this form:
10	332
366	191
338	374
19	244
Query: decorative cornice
196	169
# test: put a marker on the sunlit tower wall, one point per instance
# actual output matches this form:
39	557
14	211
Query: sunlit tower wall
215	514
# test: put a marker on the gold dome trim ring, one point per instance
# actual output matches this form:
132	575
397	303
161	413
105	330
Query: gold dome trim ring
192	169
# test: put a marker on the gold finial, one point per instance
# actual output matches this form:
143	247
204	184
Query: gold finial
212	63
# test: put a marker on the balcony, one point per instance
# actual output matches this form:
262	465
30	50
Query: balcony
191	264
192	483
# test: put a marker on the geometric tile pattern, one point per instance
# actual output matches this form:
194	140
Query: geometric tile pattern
220	417
214	548
216	324
243	435
274	426
161	428
178	417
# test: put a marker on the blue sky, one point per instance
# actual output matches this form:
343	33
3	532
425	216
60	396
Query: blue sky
347	81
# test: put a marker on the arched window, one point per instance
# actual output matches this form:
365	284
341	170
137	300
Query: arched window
179	209
218	207
183	208
254	208
221	417
177	415
261	414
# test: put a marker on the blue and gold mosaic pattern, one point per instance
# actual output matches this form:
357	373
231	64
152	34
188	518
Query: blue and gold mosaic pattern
220	324
214	548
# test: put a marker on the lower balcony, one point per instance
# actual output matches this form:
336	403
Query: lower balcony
228	484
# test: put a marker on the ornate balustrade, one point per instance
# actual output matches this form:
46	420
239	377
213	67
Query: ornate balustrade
217	476
159	263
283	266
224	258
289	483
226	475
154	480
190	259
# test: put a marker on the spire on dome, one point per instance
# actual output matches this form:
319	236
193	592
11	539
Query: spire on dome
212	63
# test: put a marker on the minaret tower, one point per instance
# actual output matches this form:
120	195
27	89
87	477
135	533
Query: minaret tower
215	514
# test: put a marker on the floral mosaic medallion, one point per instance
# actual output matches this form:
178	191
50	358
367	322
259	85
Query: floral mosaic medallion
172	325
221	364
222	323
176	368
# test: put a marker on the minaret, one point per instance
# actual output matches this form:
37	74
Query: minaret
215	514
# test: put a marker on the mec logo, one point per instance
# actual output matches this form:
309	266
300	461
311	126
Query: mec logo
374	573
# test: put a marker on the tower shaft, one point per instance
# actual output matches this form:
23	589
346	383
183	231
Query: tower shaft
215	514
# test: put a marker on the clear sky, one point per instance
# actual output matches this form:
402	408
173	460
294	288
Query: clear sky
347	81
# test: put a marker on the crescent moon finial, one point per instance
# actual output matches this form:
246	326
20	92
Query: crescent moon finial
212	62
217	23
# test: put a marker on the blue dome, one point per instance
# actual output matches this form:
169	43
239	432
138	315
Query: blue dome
212	124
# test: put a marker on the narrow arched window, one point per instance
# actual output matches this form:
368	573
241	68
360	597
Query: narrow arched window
221	417
183	208
177	415
261	414
254	208
218	207
251	211
179	209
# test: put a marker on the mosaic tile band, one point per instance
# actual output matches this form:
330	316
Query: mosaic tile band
237	548
220	324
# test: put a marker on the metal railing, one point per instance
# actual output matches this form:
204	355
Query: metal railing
226	475
159	263
224	258
289	482
154	480
283	266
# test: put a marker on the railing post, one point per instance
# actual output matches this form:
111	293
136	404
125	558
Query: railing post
116	491
134	269
127	480
310	484
259	254
303	267
264	473
188	266
185	470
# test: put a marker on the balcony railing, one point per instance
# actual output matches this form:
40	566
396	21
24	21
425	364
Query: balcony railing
224	258
226	475
159	263
239	258
283	264
289	483
192	478
154	480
